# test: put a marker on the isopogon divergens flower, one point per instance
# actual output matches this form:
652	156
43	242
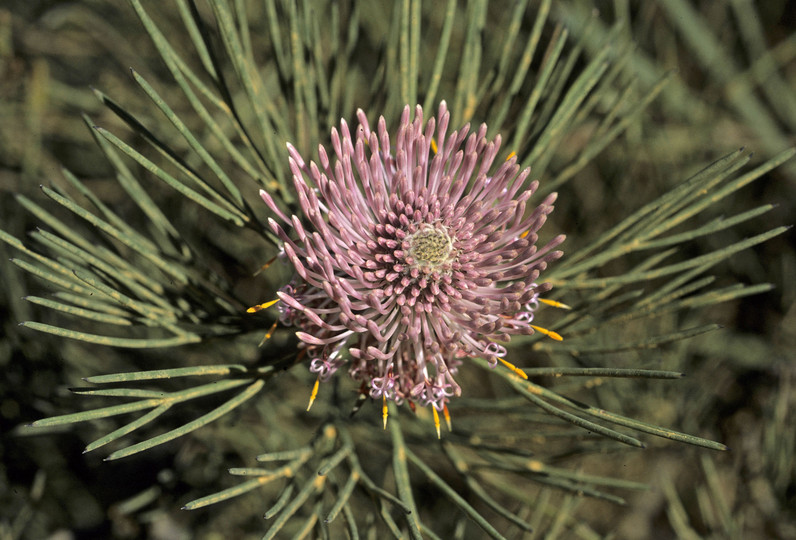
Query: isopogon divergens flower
410	258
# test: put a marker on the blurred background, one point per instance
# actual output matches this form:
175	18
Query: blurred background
734	85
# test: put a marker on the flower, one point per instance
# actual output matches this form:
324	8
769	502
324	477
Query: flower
410	260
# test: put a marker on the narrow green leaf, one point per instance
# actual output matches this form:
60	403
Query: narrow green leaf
532	392
130	343
578	489
54	223
128	428
92	304
110	215
556	128
716	60
96	414
280	503
147	249
95	248
333	461
180	71
537	467
520	68
647	343
439	61
342	497
121	392
53	277
193	143
162	316
238	218
193	425
600	141
274	32
596	248
366	481
388	520
163	227
724	295
222	369
464	98
197	40
454	496
314	485
299	76
134	280
299	453
266	115
229	493
601	372
708	258
348	514
475	487
401	473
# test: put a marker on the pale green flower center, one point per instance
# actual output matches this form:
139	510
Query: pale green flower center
430	246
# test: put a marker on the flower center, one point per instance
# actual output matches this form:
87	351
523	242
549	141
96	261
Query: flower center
430	246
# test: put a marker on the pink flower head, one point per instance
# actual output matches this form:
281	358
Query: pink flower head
409	260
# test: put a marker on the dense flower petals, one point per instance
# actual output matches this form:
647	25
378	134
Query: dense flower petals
408	260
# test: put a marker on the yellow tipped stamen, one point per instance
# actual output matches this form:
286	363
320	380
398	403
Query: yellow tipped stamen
314	393
514	368
260	307
266	265
511	155
548	333
447	414
271	330
436	421
268	334
553	303
434	145
523	235
384	412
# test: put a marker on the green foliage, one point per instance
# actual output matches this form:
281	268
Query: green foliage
169	266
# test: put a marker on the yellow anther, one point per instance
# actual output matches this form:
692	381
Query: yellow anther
511	155
268	334
514	368
271	331
384	412
436	421
434	145
548	333
314	393
553	303
260	307
523	235
535	466
266	265
447	414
